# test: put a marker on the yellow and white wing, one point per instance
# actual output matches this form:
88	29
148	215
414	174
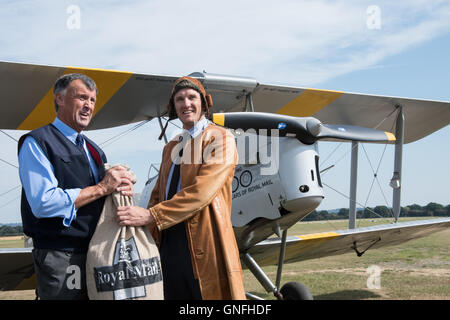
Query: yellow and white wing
126	97
318	245
422	117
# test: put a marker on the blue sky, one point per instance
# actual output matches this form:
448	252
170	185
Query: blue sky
319	44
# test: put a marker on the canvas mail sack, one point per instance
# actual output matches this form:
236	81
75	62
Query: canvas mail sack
122	262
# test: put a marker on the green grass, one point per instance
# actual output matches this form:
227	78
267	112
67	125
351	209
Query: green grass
11	242
418	269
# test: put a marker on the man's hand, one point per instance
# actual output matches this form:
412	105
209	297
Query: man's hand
117	178
126	188
134	216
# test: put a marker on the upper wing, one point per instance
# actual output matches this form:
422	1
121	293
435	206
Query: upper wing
125	97
422	117
325	244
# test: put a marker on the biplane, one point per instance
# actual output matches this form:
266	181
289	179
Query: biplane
277	183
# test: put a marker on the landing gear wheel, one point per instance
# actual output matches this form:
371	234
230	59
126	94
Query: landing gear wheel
295	291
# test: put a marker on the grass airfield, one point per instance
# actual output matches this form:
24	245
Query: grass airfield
418	269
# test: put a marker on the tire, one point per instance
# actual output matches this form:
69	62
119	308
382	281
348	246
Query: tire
295	291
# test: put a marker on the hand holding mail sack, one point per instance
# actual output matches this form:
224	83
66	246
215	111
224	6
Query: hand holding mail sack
122	262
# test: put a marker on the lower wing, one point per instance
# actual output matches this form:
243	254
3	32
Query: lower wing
16	269
325	244
17	272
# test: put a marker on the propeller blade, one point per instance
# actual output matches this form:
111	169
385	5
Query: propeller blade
306	129
348	132
262	120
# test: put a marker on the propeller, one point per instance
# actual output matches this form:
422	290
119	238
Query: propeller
306	129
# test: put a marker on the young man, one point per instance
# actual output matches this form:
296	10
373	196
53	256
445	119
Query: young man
64	186
189	212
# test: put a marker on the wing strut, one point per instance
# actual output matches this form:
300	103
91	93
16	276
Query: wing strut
249	102
281	258
262	277
289	291
360	253
396	183
353	181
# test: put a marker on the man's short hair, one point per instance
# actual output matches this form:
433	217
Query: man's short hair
63	82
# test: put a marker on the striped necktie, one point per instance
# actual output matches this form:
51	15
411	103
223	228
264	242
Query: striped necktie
80	145
80	142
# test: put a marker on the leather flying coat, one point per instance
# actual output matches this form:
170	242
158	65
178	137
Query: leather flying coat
204	205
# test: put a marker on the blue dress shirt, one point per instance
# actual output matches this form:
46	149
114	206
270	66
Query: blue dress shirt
36	174
194	131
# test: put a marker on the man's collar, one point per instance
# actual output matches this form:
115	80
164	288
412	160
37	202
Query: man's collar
198	127
67	131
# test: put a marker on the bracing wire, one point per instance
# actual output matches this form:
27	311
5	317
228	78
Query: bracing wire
10	201
12	138
8	191
12	165
344	195
375	178
113	139
345	155
375	175
9	136
373	171
331	153
9	163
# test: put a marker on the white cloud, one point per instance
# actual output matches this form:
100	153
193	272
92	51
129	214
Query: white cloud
295	42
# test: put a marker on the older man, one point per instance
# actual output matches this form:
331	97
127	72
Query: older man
190	207
64	185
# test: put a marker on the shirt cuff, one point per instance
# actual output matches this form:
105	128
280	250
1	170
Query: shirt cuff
72	213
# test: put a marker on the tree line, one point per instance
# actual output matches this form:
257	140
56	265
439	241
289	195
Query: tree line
430	210
6	230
